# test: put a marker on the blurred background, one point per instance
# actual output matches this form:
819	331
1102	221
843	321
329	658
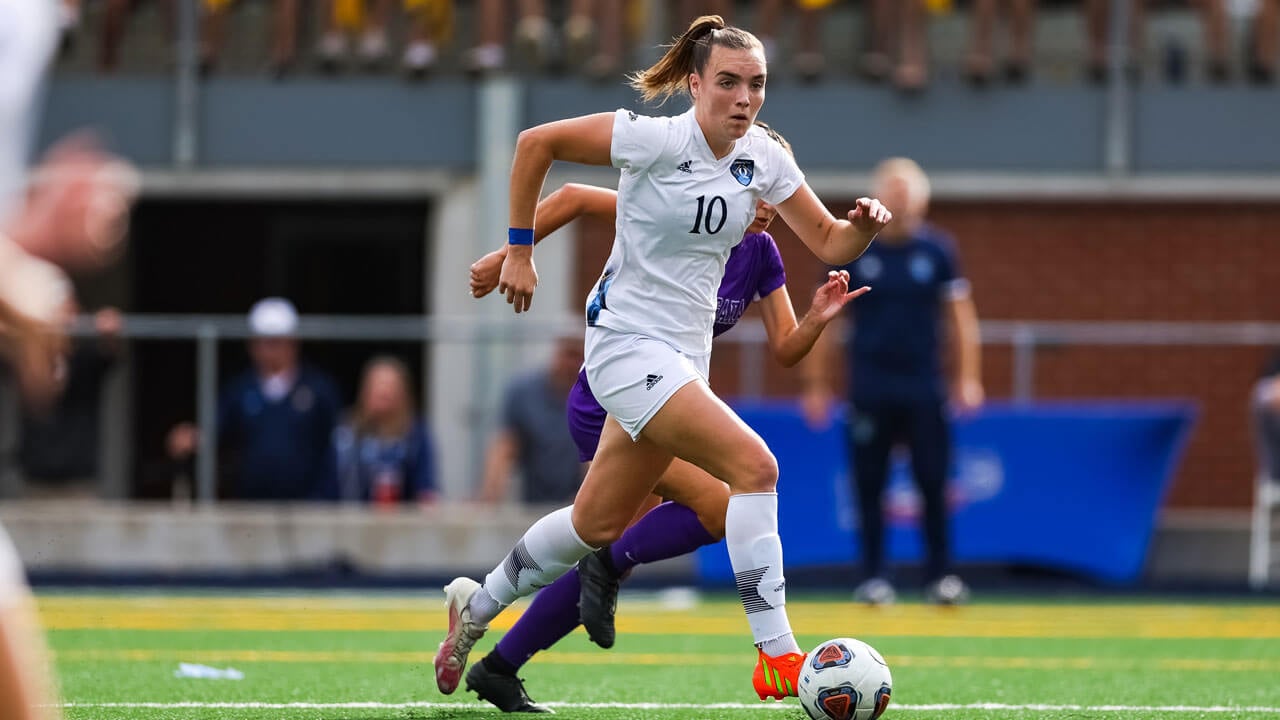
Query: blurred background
1108	170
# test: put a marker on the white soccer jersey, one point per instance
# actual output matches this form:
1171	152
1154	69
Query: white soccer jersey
680	212
28	35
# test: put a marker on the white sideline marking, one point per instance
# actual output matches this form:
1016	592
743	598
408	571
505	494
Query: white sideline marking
668	706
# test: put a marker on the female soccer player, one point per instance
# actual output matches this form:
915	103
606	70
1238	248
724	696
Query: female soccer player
753	271
687	192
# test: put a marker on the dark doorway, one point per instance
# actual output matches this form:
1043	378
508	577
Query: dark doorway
328	257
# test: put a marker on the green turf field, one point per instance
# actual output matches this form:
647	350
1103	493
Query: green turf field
352	657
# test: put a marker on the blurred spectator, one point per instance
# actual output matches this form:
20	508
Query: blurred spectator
768	24
534	36
683	12
594	37
341	19
809	59
1265	408
279	414
284	34
1213	16
69	17
534	439
1019	18
1264	36
430	27
897	392
897	43
58	450
382	451
114	19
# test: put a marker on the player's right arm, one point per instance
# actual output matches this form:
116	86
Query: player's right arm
587	140
569	202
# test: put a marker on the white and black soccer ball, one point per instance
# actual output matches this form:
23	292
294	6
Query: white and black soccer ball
845	679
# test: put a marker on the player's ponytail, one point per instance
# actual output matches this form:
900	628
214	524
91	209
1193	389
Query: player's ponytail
688	54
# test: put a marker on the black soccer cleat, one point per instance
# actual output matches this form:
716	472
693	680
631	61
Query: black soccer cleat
598	599
505	692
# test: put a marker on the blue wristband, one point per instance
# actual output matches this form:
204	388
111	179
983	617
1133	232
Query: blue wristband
519	236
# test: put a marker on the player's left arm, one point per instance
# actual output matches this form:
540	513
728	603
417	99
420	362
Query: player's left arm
790	340
832	240
967	392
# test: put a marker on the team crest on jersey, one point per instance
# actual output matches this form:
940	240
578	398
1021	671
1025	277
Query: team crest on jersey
743	170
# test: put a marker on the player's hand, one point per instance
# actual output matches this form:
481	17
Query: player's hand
519	277
485	273
967	397
869	216
834	295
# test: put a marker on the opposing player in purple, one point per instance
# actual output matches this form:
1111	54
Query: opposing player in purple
693	513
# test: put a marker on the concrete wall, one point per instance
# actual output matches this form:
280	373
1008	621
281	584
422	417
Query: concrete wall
254	540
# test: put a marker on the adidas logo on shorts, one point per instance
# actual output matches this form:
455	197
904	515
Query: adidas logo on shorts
651	380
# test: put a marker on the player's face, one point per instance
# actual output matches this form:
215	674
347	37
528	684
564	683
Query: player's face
765	213
729	92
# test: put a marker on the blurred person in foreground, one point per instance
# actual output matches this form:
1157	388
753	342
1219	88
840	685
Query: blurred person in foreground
382	450
71	215
897	390
279	414
58	452
534	440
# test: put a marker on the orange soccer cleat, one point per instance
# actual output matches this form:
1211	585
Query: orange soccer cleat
777	677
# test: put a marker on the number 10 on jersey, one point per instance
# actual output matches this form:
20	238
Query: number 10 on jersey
707	212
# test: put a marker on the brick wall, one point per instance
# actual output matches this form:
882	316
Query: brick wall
1191	260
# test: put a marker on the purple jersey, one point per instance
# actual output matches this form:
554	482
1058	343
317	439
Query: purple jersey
753	270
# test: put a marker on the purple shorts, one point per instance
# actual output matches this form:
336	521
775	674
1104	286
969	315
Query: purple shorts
586	418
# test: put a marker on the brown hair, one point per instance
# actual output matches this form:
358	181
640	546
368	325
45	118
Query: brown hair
776	136
403	420
687	54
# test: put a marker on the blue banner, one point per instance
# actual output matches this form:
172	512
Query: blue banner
1074	487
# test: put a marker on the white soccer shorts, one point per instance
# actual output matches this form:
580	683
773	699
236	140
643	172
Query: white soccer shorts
633	376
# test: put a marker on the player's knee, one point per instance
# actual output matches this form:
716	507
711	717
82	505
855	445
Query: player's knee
759	473
598	530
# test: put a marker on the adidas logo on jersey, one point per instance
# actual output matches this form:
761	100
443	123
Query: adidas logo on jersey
651	380
684	167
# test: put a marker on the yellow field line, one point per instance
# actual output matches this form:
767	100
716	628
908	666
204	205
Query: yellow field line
621	658
715	618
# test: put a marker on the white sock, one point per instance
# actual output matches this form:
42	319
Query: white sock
548	550
778	646
755	553
483	607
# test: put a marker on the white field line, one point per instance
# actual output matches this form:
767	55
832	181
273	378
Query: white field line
670	706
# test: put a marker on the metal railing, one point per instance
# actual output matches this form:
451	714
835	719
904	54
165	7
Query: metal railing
1025	338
